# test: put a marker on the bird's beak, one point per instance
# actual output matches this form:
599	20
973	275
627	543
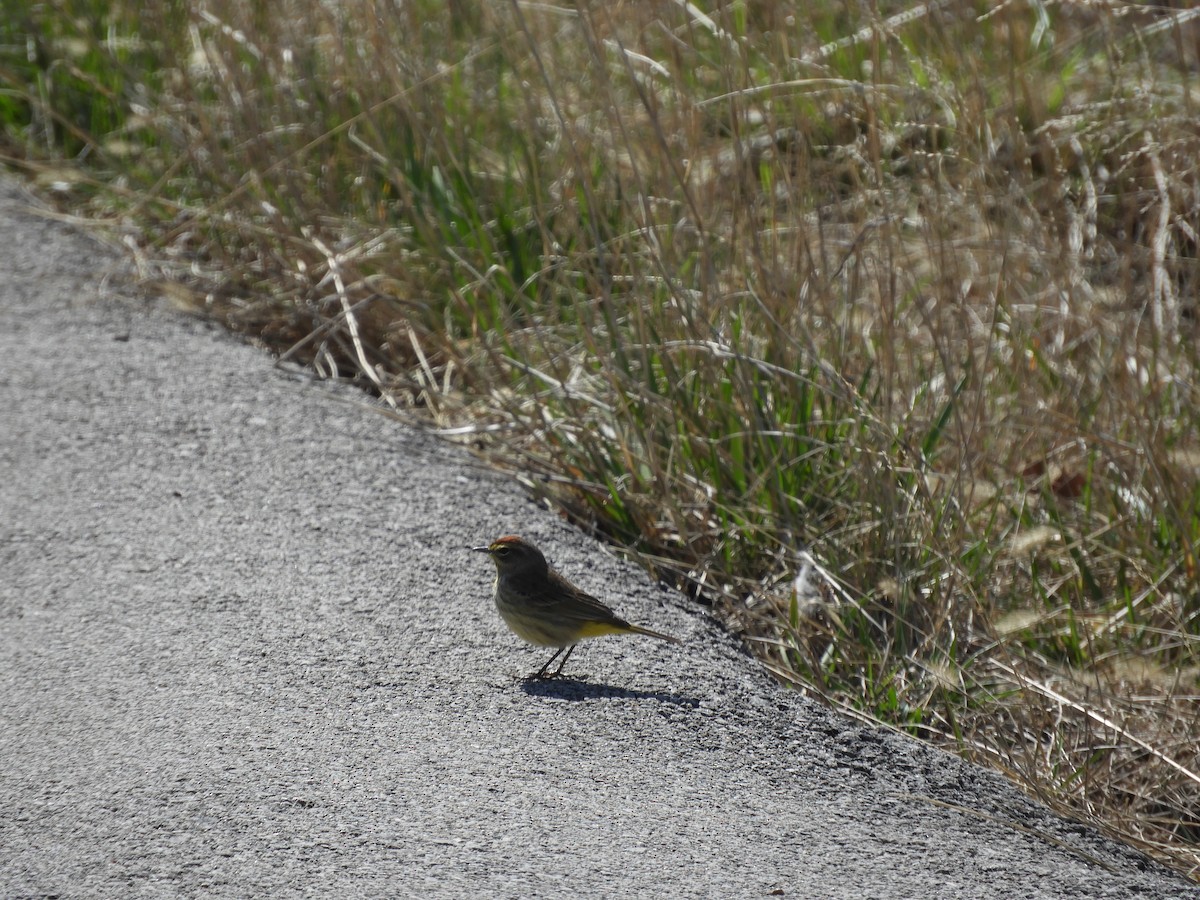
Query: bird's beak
481	549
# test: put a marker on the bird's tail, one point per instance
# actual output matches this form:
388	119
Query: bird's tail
638	629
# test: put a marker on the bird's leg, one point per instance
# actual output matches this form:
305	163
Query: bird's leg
541	673
558	671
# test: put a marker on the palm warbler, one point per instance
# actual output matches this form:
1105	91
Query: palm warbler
542	607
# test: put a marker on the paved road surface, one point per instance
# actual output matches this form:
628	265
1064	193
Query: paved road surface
244	652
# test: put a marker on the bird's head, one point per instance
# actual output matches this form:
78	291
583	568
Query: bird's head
514	556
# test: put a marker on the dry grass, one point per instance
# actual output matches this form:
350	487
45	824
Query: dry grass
872	326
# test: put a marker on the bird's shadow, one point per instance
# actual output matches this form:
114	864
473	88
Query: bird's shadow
575	689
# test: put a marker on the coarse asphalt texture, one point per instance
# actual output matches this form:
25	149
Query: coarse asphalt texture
245	651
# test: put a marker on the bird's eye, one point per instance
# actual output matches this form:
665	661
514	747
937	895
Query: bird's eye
502	551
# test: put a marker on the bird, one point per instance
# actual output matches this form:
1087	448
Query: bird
542	607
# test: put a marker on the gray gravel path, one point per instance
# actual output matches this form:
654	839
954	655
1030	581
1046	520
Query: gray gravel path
244	652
